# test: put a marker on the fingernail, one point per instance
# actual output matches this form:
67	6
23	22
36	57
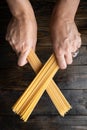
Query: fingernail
63	66
21	61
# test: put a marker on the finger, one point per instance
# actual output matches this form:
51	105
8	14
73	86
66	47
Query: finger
7	38
78	42
23	58
75	45
68	58
59	56
61	61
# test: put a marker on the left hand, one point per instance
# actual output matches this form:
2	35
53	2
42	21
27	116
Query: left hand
22	36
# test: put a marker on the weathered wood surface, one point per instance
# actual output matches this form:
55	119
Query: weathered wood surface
75	77
72	81
44	123
78	99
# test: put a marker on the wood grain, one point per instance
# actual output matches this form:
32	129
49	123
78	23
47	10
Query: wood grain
14	79
78	99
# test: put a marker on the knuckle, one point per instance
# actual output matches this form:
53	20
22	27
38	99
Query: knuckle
69	61
60	52
67	49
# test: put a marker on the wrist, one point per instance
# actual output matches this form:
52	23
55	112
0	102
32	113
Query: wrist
62	14
25	16
66	9
20	9
24	13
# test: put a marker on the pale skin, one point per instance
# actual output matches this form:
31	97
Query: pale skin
22	30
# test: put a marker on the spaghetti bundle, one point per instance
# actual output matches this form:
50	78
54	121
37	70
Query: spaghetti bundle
52	89
42	81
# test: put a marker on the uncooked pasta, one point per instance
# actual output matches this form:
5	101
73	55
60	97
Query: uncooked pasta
43	81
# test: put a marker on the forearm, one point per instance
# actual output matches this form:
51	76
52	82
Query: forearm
20	7
67	9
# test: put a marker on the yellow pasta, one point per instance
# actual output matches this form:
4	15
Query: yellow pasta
38	82
52	89
39	93
27	102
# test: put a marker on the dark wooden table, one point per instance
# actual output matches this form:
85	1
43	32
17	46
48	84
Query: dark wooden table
72	81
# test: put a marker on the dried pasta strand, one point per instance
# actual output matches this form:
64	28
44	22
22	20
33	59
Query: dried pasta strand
36	81
35	99
33	85
26	103
53	91
29	99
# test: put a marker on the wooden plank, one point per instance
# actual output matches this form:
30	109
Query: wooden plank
77	99
68	120
45	122
74	77
84	36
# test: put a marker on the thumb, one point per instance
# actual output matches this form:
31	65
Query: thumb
23	58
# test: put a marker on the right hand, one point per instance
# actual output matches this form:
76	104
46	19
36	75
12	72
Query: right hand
22	36
66	40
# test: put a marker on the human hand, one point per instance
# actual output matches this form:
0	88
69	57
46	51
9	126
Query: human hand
22	36
65	39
